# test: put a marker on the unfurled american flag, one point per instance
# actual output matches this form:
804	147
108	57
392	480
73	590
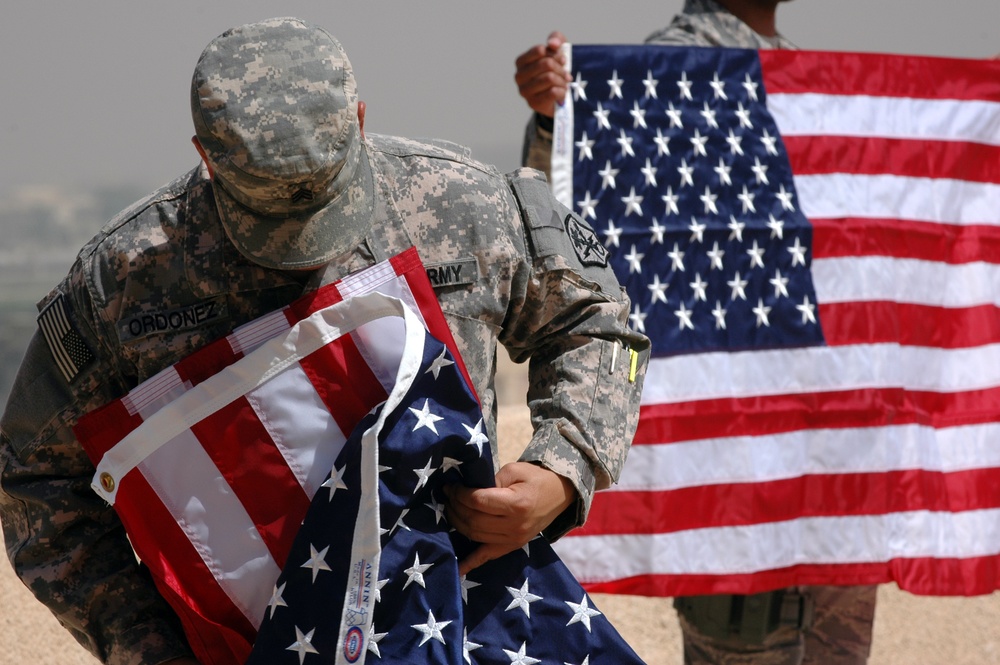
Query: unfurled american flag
811	242
284	487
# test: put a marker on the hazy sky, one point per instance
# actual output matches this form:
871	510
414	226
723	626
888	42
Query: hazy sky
96	92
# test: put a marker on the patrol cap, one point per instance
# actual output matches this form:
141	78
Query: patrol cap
275	108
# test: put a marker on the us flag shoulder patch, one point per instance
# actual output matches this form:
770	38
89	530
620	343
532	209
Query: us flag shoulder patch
67	346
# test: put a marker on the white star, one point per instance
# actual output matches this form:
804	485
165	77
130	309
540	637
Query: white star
720	316
608	175
780	285
674	115
699	286
625	141
633	203
808	311
751	88
612	234
302	644
317	561
602	117
423	475
634	259
276	599
520	657
401	524
723	170
638	318
718	86
638	116
687	173
587	206
650	84
449	463
425	418
335	481
683	318
615	84
697	230
656	232
744	116
676	259
737	285
769	142
467	584
685	86
586	661
777	227
798	253
649	172
582	612
762	313
715	256
586	147
735	229
708	198
476	436
734	143
439	363
373	640
747	199
759	170
670	199
522	599
662	143
378	589
709	115
468	646
756	254
579	87
431	629
785	197
415	573
698	143
658	288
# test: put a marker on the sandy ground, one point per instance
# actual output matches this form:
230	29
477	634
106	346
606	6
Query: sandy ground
909	630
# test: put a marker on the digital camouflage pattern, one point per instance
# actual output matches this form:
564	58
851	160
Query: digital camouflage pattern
162	280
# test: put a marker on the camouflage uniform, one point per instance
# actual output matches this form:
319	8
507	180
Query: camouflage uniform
165	277
839	632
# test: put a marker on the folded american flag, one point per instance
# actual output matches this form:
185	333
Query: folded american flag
283	485
823	399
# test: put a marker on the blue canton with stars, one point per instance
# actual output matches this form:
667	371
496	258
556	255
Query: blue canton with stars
679	167
523	608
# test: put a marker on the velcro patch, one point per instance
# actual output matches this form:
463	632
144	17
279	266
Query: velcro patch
453	273
67	346
172	320
585	242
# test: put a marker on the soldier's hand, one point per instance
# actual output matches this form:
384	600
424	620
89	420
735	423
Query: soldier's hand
527	499
541	76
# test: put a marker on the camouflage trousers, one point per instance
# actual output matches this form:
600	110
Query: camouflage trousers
839	632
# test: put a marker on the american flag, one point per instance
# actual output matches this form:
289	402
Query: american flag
810	241
283	486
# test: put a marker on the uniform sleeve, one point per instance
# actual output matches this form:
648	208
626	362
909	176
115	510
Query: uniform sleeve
66	544
586	367
536	152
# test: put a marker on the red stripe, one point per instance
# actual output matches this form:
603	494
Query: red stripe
343	380
880	75
932	577
206	362
830	495
944	243
99	431
877	322
975	162
216	629
773	414
256	462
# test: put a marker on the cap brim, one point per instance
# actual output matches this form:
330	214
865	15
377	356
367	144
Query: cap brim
305	241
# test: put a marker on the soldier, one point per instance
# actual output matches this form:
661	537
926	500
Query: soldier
818	624
292	194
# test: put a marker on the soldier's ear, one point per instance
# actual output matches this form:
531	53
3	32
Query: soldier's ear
204	157
361	117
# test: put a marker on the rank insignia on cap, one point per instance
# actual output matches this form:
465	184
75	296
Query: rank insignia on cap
68	349
588	247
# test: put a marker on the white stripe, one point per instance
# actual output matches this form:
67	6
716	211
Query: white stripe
881	278
814	114
805	370
209	512
300	425
54	326
760	547
742	459
561	168
248	337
